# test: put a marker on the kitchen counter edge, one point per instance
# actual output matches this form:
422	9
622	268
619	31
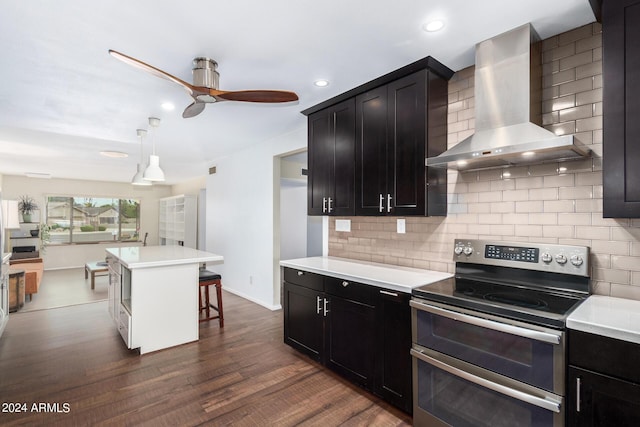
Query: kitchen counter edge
398	278
161	256
611	317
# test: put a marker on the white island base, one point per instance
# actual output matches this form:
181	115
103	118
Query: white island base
153	294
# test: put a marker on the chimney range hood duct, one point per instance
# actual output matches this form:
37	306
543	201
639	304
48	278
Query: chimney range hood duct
508	110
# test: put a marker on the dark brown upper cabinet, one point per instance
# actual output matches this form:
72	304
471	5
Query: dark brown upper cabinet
367	147
331	160
621	105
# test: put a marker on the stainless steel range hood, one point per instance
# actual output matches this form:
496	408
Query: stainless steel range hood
508	110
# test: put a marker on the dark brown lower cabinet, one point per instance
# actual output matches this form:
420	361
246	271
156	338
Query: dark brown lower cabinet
603	381
393	370
302	324
350	340
601	400
359	331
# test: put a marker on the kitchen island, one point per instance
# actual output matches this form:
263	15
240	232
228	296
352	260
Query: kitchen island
153	294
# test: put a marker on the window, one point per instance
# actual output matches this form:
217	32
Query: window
92	219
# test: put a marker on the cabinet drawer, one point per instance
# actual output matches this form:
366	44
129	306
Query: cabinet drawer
604	355
303	278
350	290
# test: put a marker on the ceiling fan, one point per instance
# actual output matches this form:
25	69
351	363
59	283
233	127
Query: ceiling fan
205	85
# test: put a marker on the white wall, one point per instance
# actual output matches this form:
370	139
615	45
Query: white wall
242	217
293	218
69	256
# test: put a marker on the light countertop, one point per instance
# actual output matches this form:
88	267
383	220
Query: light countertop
402	279
160	256
611	317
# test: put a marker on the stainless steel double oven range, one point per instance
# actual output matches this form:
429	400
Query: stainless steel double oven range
489	343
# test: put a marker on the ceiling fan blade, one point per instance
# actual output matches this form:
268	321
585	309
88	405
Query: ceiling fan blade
193	110
258	96
150	69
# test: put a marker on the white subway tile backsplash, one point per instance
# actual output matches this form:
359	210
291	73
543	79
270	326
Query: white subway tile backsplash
558	231
593	233
529	230
529	182
501	207
581	192
543	218
543	194
574	219
530	206
564	180
559	206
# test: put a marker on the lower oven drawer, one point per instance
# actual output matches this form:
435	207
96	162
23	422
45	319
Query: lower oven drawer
526	353
450	393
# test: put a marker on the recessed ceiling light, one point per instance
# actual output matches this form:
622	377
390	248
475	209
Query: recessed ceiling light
168	106
433	26
114	154
321	83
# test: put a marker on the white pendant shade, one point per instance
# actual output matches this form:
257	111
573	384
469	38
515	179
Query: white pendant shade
138	178
153	171
10	215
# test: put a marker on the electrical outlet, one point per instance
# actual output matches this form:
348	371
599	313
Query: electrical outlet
343	225
401	227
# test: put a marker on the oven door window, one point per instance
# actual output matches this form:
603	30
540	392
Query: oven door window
521	358
462	403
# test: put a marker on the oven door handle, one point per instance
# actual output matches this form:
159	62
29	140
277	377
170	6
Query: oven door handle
544	403
533	334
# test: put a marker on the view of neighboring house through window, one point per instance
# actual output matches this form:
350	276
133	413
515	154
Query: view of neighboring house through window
92	219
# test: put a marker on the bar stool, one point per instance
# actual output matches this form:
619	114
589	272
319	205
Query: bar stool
209	278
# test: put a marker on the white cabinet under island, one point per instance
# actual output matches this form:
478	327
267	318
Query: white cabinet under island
153	294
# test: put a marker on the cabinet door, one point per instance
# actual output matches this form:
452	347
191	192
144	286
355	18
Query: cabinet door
350	342
320	159
621	101
371	152
601	400
303	319
331	154
393	343
343	120
406	144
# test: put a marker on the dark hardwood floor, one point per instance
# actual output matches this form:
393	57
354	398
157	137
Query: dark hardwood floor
241	375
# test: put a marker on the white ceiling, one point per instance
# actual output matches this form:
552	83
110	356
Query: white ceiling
63	99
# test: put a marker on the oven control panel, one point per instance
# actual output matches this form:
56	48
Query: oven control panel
543	257
513	253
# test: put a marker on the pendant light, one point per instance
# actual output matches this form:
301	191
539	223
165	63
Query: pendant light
138	178
153	171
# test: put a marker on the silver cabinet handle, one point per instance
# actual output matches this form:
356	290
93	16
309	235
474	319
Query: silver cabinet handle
345	283
578	394
549	337
324	205
318	308
547	403
330	201
300	273
389	202
325	307
393	294
381	208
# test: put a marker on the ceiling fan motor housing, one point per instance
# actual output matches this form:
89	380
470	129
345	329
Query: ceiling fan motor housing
205	74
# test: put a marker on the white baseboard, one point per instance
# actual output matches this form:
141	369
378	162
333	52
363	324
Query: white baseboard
247	297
